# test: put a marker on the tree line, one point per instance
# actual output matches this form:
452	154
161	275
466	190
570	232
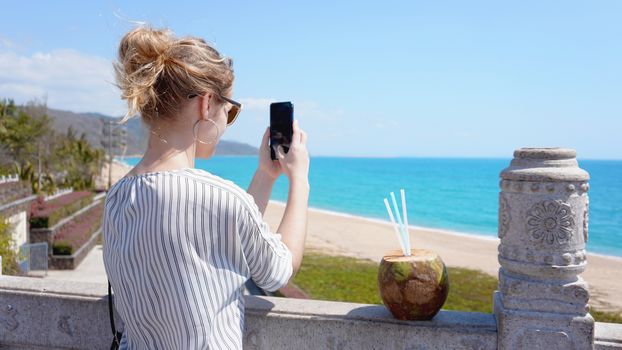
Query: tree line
47	159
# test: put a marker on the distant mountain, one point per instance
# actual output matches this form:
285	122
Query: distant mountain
234	148
92	124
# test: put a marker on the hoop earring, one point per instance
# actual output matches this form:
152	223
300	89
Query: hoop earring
194	132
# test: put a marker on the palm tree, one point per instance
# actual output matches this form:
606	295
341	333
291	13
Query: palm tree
79	159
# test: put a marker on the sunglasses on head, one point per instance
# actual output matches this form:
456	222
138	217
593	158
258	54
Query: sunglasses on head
233	113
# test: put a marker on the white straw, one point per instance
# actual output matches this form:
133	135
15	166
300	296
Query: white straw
399	221
403	194
397	232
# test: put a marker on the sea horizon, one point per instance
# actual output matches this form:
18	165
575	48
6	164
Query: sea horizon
394	157
437	198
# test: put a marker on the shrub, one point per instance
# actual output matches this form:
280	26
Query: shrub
74	234
47	214
61	248
9	256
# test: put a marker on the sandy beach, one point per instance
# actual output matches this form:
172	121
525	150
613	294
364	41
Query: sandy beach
119	170
363	238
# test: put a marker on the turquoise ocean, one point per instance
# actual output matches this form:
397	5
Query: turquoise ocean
458	194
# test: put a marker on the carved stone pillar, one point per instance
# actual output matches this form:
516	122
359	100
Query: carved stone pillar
542	302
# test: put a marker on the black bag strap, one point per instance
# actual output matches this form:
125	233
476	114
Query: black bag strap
116	341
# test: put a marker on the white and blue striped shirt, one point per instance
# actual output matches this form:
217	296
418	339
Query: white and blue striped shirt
178	247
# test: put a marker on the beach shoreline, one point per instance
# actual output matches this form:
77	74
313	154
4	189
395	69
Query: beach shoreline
380	221
429	229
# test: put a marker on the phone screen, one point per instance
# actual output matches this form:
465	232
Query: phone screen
281	130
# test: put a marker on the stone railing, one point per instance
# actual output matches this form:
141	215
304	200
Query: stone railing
541	302
51	314
57	315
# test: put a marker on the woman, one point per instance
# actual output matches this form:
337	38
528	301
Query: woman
179	242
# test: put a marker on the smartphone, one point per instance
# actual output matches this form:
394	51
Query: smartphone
281	129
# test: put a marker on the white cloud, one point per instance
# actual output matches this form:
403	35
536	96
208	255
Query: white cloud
305	109
5	42
18	89
312	111
326	127
386	124
259	104
71	80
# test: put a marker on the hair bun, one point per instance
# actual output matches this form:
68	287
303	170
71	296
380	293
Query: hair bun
144	45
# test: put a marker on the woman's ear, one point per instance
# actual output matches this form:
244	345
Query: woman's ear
205	105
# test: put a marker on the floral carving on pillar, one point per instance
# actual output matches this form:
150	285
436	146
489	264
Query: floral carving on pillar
550	221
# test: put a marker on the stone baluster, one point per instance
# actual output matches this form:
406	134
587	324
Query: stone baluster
542	302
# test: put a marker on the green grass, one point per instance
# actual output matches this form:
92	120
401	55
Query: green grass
347	279
470	290
603	316
339	278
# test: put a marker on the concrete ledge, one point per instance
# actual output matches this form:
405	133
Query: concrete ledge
282	323
607	336
51	314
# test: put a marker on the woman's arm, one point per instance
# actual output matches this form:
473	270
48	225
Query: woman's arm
295	165
293	226
261	188
265	176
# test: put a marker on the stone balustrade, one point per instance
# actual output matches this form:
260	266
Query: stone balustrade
49	314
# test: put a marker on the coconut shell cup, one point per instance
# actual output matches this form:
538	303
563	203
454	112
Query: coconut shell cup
413	287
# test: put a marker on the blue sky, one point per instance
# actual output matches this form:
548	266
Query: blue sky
411	78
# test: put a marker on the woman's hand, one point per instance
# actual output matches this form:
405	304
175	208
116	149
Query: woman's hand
295	163
271	168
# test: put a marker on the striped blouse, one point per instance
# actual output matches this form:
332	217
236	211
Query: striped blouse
178	247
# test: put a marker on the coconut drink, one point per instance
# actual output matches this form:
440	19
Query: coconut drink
413	283
413	287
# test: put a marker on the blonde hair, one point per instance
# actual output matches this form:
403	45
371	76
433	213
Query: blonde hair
156	72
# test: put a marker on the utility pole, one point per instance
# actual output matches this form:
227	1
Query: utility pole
114	140
39	166
45	112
